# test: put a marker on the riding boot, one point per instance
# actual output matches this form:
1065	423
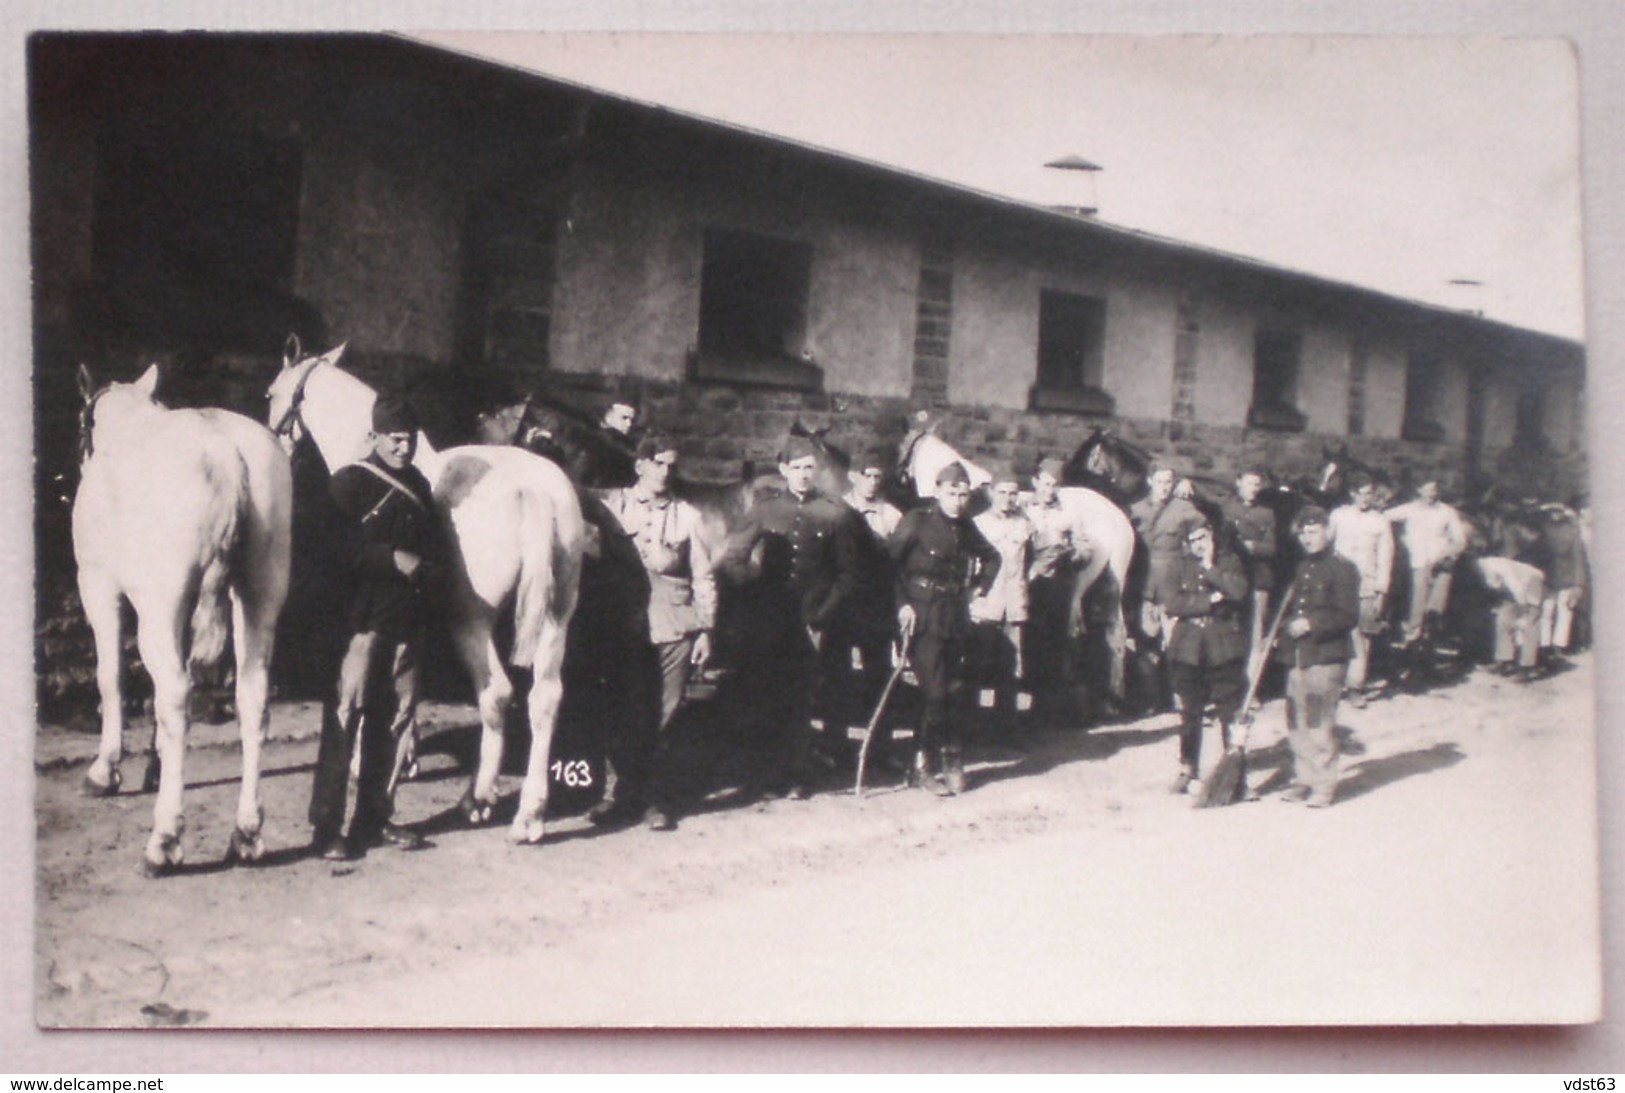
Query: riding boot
953	770
927	774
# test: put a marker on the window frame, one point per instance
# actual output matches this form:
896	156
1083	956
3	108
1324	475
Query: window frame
1420	421
1280	412
1071	317
749	277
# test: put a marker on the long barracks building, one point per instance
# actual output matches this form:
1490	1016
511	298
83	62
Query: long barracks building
197	197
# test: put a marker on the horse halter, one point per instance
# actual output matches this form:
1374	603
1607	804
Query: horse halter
87	424
292	417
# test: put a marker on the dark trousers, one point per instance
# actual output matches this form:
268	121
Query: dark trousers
938	656
374	695
854	665
1197	685
624	686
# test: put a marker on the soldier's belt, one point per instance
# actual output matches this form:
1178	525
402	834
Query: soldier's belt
934	586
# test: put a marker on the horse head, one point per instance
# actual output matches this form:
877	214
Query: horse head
110	404
285	398
1110	464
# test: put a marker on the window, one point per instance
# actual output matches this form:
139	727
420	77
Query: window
507	294
1424	400
1276	357
1071	354
195	237
1531	421
753	311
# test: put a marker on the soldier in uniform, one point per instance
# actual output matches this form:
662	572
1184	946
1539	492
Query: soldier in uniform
1160	519
1316	645
1255	539
603	460
940	557
1205	592
811	544
683	593
394	544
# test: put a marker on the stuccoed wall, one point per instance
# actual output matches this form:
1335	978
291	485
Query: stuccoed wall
1384	390
993	355
628	296
379	248
1323	379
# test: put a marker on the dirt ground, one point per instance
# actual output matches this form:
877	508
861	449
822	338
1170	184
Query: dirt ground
1454	881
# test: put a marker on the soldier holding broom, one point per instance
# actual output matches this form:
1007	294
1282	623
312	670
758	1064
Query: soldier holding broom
1205	592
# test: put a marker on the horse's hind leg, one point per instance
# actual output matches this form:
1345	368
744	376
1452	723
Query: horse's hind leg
159	636
546	691
254	635
493	692
100	597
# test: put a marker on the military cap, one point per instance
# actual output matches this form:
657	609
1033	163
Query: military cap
798	447
1050	466
1309	514
953	473
391	414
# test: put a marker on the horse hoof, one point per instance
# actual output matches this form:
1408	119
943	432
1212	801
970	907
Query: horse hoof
164	855
476	813
92	788
245	848
525	834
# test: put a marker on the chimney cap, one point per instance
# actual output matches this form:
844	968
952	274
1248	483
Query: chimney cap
1074	162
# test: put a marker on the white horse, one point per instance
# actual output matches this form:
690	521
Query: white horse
518	537
1102	539
180	511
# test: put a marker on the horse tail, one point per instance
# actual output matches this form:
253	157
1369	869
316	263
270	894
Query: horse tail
219	545
547	575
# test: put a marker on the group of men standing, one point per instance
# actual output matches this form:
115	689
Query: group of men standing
838	594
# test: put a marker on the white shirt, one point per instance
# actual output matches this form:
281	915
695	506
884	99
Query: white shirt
1364	537
1433	533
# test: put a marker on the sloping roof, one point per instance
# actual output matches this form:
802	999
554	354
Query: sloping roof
1055	222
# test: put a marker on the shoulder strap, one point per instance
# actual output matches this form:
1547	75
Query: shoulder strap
394	483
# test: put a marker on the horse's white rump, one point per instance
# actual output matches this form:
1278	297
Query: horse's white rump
185	513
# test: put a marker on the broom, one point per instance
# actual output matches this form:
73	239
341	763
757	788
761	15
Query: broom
880	711
1223	786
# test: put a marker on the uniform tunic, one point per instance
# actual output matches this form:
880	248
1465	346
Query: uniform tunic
377	681
1207	645
378	519
823	549
810	568
939	561
1255	538
1326	592
683	589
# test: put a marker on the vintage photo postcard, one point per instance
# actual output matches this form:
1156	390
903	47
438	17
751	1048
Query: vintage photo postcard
810	531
